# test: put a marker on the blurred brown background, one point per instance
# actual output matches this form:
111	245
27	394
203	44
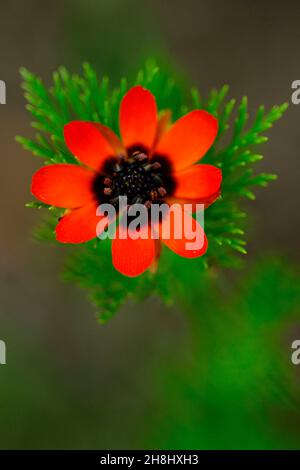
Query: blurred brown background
252	46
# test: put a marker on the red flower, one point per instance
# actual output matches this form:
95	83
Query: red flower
154	163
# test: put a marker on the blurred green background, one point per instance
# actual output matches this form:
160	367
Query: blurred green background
153	377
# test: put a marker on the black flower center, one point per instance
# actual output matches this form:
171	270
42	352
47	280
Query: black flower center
141	180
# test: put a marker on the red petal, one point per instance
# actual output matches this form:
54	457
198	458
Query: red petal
138	118
198	182
79	225
87	143
132	257
163	124
190	229
112	138
63	185
188	139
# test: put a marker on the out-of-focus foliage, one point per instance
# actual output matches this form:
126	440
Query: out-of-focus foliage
236	387
85	97
226	382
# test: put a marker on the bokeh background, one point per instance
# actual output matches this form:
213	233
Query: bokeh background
145	380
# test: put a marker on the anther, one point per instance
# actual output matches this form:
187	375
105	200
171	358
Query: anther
152	166
107	181
117	168
153	195
107	191
141	157
161	191
156	166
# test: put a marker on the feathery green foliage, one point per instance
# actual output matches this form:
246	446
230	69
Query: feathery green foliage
236	387
85	97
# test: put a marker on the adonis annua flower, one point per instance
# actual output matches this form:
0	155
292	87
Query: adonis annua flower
154	162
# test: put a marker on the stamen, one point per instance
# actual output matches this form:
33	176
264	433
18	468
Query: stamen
141	157
161	191
156	166
153	195
140	180
107	181
152	166
107	191
117	168
148	167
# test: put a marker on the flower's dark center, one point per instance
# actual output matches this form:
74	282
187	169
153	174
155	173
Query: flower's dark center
142	181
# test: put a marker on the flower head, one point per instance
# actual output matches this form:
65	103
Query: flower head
153	163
